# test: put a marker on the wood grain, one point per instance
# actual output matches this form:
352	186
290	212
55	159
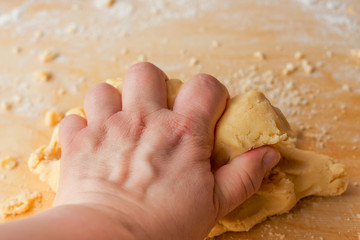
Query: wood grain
107	42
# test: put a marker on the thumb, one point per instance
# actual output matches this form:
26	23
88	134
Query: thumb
242	176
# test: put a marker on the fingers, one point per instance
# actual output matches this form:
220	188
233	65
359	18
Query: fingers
242	177
144	89
101	102
202	99
69	127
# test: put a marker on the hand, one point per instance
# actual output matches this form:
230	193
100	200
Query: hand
146	167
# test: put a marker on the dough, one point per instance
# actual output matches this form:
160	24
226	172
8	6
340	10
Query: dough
19	204
299	174
249	121
44	161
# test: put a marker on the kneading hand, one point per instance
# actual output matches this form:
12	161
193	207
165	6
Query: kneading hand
138	170
149	164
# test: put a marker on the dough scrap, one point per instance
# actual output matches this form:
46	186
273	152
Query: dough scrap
44	161
299	174
8	163
249	121
18	204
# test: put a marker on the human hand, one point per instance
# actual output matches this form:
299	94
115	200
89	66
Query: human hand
146	167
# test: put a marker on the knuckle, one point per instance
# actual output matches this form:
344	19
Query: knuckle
187	129
93	138
180	127
248	182
126	126
136	125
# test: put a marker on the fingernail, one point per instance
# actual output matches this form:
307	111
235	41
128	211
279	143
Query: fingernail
270	159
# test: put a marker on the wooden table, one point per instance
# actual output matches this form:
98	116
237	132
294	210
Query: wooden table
183	38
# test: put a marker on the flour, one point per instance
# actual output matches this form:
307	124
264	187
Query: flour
334	17
14	15
121	10
308	2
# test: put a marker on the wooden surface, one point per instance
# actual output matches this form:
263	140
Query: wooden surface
95	43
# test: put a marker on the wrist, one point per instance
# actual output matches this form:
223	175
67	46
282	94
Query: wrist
122	212
92	222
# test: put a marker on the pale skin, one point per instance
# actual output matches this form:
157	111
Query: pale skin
138	170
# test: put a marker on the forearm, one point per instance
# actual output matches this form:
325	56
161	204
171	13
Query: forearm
66	222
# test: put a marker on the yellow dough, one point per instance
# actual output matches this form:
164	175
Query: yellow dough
18	204
249	121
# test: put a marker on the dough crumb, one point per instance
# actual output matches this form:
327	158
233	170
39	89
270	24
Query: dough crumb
104	3
259	55
193	61
17	99
352	12
38	35
19	204
182	51
165	40
215	44
280	236
8	163
43	76
53	117
289	68
48	56
72	28
61	91
154	11
5	105
358	215
346	87
355	53
320	64
343	106
142	58
77	111
114	58
298	55
115	82
16	50
329	54
307	67
124	51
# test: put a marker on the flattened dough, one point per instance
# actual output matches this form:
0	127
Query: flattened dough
249	121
